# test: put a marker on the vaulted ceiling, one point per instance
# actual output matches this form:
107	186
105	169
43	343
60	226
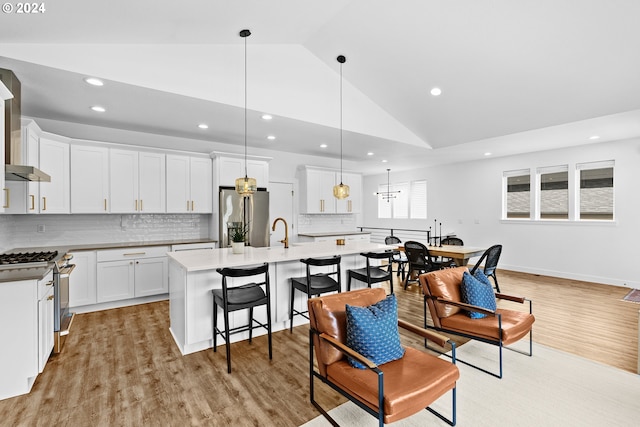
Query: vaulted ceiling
515	76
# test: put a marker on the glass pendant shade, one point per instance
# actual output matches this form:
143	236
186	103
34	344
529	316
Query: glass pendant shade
246	186
341	191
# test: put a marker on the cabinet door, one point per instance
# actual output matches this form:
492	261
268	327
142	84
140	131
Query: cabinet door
54	160
259	170
178	182
123	181
115	280
82	283
151	276
32	138
319	189
45	328
352	203
152	182
200	185
89	179
230	169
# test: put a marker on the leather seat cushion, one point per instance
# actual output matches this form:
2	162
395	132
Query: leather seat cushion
410	384
328	315
444	284
515	325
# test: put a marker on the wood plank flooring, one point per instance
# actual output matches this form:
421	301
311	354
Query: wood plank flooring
121	366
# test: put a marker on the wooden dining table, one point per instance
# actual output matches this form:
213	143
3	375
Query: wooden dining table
459	254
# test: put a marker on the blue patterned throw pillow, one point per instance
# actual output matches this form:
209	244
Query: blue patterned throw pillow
478	293
479	274
373	332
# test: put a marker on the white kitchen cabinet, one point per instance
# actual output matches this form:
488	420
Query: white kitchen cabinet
54	160
4	95
23	196
228	168
316	187
89	179
317	191
45	320
137	182
189	184
131	272
82	283
352	203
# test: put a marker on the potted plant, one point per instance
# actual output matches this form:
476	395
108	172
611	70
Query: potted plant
238	237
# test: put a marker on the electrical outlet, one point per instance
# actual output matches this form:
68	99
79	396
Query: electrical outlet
41	228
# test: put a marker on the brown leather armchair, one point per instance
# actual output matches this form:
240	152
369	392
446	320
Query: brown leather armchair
391	391
501	327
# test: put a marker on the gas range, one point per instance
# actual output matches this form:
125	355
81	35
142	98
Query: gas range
27	259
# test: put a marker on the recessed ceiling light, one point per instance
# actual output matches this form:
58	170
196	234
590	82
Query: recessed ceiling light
98	109
384	161
323	145
436	91
94	82
370	153
271	137
594	137
203	126
487	153
267	117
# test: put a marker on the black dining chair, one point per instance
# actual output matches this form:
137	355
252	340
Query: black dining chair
420	260
313	284
453	241
233	297
372	273
399	258
490	258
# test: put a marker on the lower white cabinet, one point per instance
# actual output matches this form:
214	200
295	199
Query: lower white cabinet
132	272
45	321
82	283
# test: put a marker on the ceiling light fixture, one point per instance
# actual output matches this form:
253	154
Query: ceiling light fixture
323	145
341	191
93	81
271	137
370	153
594	137
487	153
245	186
98	109
387	195
436	91
203	126
267	117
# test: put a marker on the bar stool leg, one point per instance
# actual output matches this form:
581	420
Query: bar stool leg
293	291
226	339
250	323
215	325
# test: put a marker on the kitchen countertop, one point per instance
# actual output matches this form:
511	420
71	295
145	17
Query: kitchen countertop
30	273
333	233
199	260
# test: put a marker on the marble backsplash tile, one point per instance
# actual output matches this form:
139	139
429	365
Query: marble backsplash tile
46	230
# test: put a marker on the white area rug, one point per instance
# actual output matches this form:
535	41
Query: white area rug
551	388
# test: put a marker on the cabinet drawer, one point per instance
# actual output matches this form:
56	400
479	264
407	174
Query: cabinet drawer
132	253
45	285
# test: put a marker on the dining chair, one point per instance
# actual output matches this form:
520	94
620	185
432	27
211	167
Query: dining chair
420	260
490	258
452	241
399	257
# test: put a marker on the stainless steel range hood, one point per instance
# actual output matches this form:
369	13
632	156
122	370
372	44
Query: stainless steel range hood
14	170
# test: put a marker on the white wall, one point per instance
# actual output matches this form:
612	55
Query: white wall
467	198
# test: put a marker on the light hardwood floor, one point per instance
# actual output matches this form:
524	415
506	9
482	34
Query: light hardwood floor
121	366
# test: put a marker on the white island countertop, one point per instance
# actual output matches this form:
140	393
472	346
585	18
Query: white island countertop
208	259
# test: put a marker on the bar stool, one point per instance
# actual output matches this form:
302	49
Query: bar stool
232	298
373	274
315	284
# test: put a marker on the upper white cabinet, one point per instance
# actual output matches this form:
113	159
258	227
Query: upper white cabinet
54	160
137	182
228	168
22	196
89	179
4	95
316	187
189	184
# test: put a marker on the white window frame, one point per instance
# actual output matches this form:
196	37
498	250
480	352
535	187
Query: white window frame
538	192
505	181
576	200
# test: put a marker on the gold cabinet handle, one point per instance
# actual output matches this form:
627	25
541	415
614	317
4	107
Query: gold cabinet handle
33	202
44	203
140	205
105	204
50	297
7	200
187	205
349	208
193	206
136	204
135	254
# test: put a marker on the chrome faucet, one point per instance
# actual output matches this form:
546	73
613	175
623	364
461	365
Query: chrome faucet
286	231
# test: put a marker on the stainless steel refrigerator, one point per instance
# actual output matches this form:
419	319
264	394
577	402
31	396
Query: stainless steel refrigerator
236	211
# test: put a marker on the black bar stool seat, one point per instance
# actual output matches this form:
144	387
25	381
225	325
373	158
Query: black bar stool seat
373	274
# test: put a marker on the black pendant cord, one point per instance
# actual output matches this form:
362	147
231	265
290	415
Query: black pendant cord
246	176
340	123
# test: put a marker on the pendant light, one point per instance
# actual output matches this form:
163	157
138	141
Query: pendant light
387	195
245	186
341	191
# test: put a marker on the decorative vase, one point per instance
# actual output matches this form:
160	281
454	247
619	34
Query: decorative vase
237	247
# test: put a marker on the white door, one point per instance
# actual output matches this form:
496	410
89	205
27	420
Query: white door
281	205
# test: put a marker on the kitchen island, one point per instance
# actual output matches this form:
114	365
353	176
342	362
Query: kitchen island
192	276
